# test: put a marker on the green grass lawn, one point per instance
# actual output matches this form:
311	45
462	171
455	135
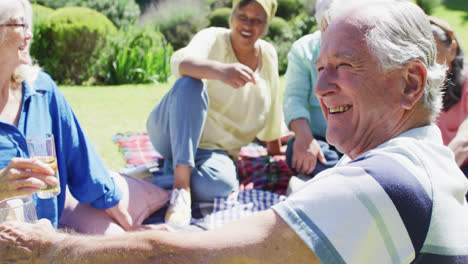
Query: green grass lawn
455	12
104	111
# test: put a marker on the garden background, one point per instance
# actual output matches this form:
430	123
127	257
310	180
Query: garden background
110	58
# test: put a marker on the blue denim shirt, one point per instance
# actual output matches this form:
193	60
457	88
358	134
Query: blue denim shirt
301	77
44	110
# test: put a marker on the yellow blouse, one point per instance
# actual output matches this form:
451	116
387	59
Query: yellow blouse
236	116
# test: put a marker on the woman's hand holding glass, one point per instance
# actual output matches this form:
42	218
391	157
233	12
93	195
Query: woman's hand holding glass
25	177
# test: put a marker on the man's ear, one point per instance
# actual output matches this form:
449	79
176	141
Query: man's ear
414	82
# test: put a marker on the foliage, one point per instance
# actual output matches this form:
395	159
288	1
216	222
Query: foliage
280	35
303	24
144	4
41	13
289	8
135	55
72	38
220	17
282	47
279	28
215	4
178	20
428	5
121	12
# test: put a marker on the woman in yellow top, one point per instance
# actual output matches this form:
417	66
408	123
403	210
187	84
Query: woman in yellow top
227	93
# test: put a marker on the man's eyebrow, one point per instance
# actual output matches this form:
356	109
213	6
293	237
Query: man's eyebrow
351	56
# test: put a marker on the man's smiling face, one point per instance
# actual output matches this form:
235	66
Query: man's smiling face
360	101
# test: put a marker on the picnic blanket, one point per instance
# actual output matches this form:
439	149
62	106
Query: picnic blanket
240	204
137	149
256	169
263	180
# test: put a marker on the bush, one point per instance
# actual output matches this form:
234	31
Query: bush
73	36
289	8
215	4
144	4
220	17
428	5
279	28
135	55
121	12
303	24
51	3
282	47
41	13
178	20
280	35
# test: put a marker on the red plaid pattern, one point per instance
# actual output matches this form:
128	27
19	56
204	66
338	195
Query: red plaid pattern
256	169
136	148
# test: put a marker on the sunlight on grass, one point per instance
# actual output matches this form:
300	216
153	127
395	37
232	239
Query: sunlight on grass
458	19
104	111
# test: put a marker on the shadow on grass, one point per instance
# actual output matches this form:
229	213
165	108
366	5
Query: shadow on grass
460	5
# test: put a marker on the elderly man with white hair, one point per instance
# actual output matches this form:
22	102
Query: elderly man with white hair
397	196
308	152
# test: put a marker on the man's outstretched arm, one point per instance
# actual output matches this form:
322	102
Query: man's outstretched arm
261	238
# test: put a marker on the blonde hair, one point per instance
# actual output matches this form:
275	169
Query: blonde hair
26	72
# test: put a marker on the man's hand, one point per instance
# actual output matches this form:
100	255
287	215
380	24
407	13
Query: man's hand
120	214
27	243
25	177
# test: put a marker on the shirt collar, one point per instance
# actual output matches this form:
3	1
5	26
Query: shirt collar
28	91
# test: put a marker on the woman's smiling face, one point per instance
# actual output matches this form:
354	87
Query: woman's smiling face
248	24
14	49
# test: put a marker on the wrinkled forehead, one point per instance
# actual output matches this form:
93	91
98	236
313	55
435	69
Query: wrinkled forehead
343	38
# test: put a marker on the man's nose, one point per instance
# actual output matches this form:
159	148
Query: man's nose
326	82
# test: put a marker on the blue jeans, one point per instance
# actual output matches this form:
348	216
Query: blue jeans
331	155
175	126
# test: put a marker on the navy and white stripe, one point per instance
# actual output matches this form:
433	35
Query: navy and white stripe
402	202
408	195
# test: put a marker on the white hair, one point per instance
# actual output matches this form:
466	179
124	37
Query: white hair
400	33
321	12
25	72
